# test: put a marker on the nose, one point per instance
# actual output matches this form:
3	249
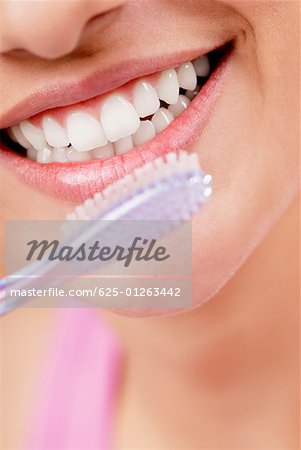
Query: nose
47	29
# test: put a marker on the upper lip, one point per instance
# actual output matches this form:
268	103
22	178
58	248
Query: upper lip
78	181
95	84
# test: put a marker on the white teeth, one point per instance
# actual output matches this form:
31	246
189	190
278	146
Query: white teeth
202	66
119	118
104	152
118	128
31	153
187	76
33	134
55	135
145	133
44	156
162	119
180	106
85	132
123	145
146	101
75	156
19	136
60	154
168	86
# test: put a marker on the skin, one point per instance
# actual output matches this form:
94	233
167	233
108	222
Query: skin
230	377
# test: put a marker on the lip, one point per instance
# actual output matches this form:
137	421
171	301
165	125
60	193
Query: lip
99	83
76	182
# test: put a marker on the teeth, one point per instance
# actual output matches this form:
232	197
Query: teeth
118	128
119	118
187	76
104	152
85	132
192	94
34	135
44	156
180	106
145	133
55	135
162	119
168	86
75	156
19	136
31	153
123	145
60	154
146	101
202	66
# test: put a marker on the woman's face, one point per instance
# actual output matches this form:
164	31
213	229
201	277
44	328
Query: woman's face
244	124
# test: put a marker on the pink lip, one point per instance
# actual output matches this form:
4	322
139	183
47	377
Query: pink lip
78	181
99	83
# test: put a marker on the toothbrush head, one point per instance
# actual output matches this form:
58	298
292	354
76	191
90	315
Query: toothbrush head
171	187
164	192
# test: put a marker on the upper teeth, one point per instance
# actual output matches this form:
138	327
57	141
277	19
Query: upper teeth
187	76
55	135
115	125
85	132
146	100
168	86
119	118
33	134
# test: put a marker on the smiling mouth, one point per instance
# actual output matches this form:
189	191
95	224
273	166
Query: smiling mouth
108	136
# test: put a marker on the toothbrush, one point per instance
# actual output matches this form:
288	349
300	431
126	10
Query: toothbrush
169	189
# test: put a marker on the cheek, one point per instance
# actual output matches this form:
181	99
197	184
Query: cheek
251	148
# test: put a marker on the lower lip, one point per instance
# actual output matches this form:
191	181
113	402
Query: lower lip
76	182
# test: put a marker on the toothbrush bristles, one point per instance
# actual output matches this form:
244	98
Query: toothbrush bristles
149	174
